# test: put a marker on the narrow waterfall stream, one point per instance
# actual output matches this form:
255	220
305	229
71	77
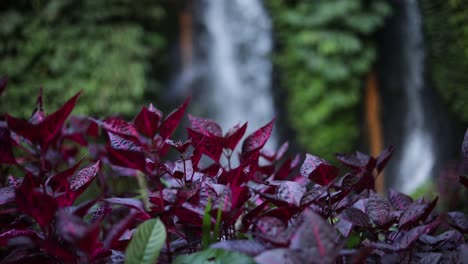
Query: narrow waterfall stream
233	59
417	160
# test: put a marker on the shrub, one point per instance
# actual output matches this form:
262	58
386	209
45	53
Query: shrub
211	202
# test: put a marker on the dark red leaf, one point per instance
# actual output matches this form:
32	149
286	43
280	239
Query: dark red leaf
179	145
118	230
147	122
249	247
240	195
257	139
83	176
318	170
233	136
398	200
124	142
60	180
356	217
210	146
118	126
172	120
6	149
23	128
317	236
38	114
3	84
52	124
464	181
465	145
126	158
284	171
205	126
75	230
383	158
378	209
40	206
459	221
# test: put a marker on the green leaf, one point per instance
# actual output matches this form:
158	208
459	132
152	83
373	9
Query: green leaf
214	256
146	243
206	227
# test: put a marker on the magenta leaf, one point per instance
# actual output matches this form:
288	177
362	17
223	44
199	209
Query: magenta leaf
52	124
378	209
233	136
398	200
172	120
257	139
356	217
205	126
60	180
318	170
317	236
465	145
23	128
147	121
6	149
210	146
179	145
83	176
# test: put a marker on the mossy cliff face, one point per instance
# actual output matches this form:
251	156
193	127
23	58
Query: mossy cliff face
324	50
106	48
446	29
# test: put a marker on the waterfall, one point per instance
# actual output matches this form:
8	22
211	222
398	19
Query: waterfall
417	159
232	62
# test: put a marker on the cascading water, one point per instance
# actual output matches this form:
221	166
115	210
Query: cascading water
233	62
417	159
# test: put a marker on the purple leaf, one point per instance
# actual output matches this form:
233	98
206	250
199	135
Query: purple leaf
407	239
6	151
118	230
313	194
383	158
430	258
13	233
172	120
356	217
412	214
75	230
398	200
318	170
377	209
317	236
7	195
249	247
290	192
147	121
257	139
282	256
459	221
83	176
205	126
271	229
129	202
233	136
356	160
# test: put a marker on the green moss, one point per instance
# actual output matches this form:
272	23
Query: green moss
325	50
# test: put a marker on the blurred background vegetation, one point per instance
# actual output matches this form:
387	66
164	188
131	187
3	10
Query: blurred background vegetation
121	53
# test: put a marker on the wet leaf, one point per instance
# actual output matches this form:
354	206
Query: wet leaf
257	139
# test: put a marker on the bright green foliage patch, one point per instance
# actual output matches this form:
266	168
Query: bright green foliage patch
325	51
